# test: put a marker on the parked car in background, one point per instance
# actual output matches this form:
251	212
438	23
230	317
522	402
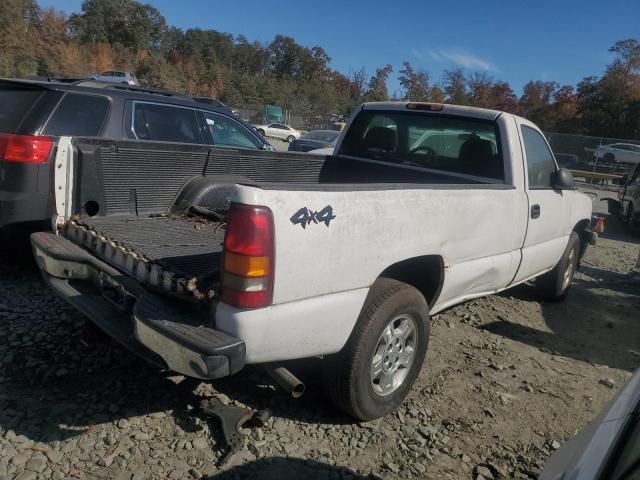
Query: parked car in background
113	76
34	114
618	152
608	447
314	140
279	130
627	206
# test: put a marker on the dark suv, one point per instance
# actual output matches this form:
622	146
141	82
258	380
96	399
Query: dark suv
33	114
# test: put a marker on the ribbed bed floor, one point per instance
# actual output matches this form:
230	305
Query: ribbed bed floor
186	246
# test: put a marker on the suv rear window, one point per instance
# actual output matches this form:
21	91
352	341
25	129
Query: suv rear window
165	123
78	115
15	102
451	144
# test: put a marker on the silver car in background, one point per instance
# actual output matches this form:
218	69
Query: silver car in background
115	76
618	152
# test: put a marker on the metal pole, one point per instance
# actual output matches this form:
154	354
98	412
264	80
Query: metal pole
595	164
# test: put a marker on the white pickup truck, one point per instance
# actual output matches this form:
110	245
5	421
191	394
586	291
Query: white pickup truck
203	260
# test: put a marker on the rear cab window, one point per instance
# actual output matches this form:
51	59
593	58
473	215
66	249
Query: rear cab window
446	143
165	123
78	115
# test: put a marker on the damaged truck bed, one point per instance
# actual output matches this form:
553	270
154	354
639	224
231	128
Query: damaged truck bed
177	254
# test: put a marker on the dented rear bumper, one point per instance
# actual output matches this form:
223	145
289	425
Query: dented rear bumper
169	333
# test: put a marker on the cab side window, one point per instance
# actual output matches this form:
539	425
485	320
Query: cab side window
540	162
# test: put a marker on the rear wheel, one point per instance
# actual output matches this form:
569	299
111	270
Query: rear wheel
290	138
555	284
261	132
609	157
372	374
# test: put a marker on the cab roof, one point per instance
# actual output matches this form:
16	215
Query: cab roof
443	108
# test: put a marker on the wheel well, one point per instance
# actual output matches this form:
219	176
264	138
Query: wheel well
426	273
581	230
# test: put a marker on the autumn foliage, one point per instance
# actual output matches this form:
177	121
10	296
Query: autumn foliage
132	36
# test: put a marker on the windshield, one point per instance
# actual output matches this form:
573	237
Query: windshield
460	145
321	135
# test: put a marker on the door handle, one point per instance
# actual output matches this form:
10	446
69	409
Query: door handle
535	211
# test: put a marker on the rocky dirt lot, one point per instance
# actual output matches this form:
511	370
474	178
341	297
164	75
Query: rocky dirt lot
507	379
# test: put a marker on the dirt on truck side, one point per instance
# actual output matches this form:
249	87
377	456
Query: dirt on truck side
506	381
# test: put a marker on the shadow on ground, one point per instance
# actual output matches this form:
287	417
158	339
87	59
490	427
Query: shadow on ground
56	382
597	323
278	468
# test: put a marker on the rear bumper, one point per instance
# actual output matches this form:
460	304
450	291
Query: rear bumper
169	333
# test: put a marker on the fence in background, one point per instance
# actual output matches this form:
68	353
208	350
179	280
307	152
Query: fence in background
255	115
595	154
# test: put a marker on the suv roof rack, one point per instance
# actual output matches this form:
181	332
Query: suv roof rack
66	79
132	88
209	101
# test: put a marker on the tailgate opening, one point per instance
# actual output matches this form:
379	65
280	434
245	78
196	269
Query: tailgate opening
176	254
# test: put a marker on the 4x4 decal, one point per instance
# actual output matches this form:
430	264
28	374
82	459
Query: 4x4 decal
304	216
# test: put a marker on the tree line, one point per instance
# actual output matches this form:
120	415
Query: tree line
132	36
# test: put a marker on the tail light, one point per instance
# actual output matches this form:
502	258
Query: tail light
247	280
24	148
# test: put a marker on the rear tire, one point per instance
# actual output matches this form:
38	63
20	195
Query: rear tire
290	138
372	374
261	132
555	284
609	157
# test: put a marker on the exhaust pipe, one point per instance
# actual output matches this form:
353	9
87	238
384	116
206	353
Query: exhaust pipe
287	380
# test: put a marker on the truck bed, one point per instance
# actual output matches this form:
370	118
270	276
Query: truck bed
144	207
188	246
181	254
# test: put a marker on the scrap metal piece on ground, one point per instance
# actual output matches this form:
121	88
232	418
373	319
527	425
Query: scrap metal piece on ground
232	419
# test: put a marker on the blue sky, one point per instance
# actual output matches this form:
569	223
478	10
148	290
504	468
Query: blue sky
516	41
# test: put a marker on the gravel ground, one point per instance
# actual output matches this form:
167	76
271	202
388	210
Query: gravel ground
507	379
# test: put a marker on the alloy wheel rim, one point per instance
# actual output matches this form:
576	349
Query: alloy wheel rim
394	354
568	273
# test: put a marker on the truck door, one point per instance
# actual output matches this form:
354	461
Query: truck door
547	229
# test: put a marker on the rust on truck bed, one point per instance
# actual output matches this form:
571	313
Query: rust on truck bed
178	254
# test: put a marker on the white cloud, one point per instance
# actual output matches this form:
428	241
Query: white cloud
457	57
416	53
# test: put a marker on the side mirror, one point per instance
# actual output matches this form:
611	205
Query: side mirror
562	179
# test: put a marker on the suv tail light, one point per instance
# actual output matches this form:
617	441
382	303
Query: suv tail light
24	148
247	280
